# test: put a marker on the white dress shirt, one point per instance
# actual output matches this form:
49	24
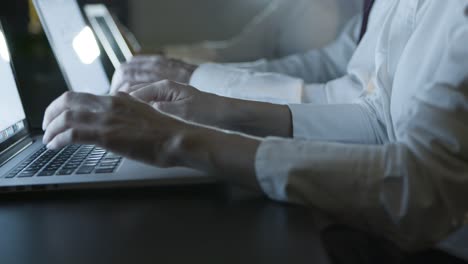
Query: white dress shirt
277	31
385	147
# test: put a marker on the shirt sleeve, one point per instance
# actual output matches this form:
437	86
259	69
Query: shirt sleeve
244	84
412	191
273	87
317	65
283	81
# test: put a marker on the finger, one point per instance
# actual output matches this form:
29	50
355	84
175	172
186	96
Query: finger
144	93
157	92
120	78
74	136
117	81
71	101
62	103
132	77
129	87
122	75
67	120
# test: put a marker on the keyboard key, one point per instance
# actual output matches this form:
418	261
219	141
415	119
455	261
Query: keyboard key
26	174
65	172
85	170
83	159
104	170
111	160
91	164
11	175
94	159
46	173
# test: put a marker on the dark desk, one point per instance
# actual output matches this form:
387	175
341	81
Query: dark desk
204	224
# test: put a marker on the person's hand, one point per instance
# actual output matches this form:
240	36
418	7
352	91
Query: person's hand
188	103
120	123
149	69
184	101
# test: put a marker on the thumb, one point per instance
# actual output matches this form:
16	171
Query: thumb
163	91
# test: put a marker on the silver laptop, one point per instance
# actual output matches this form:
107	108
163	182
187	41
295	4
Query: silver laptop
25	164
108	34
74	45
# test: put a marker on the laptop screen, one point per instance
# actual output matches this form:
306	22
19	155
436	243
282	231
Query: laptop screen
112	42
108	34
12	115
74	45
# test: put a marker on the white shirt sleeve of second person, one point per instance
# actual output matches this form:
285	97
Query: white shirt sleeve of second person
244	84
284	81
273	87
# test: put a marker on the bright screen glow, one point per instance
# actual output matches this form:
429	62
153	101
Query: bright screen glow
86	47
4	48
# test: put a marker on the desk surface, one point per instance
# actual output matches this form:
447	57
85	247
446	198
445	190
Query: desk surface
203	224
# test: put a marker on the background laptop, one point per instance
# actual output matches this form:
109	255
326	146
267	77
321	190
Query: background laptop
25	164
108	34
74	45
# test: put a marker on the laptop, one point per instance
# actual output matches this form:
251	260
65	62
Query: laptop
108	34
74	45
26	164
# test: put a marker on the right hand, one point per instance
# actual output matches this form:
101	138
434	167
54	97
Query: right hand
150	69
120	123
183	101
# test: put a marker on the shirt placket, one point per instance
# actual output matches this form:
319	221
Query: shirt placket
400	33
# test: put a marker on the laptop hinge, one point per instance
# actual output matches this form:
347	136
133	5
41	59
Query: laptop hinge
15	149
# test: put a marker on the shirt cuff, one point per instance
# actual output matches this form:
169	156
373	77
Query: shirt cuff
274	161
347	123
272	179
244	84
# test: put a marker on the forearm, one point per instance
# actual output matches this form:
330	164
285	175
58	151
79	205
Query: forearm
255	118
229	156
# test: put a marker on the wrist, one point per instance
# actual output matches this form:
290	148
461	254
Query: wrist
229	156
254	118
185	147
228	112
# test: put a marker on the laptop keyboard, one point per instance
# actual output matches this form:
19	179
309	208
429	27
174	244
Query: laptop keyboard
74	159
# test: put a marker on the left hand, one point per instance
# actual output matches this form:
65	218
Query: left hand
118	123
148	69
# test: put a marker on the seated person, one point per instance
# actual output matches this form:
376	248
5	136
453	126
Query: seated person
298	78
391	160
283	28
